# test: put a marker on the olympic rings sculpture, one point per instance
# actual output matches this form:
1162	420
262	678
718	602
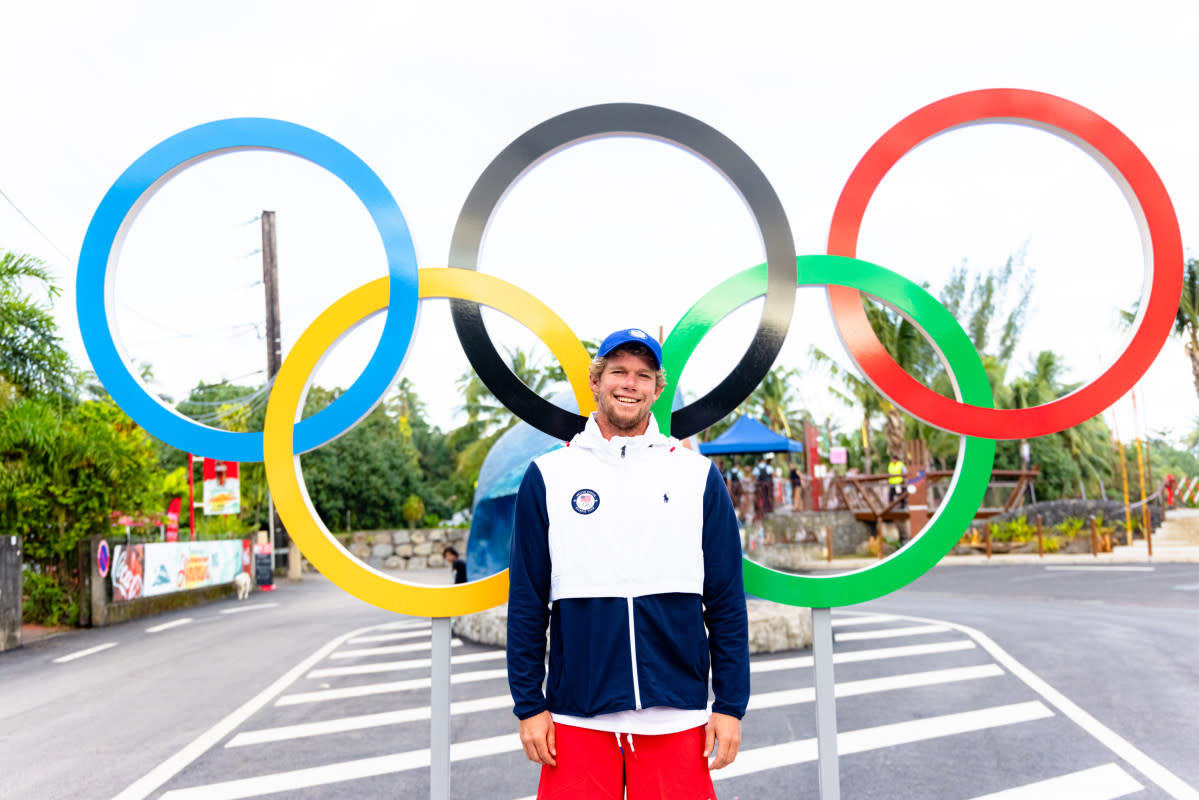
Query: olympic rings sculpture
971	414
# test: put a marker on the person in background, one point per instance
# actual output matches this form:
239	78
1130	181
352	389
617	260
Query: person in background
457	563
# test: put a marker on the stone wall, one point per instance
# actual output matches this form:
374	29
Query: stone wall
404	549
793	539
773	627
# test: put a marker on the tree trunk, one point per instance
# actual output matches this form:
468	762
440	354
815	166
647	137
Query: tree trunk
895	432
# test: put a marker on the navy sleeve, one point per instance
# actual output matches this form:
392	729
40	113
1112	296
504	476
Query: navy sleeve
724	600
528	596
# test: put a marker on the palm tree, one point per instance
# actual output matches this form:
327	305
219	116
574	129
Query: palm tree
1186	319
34	362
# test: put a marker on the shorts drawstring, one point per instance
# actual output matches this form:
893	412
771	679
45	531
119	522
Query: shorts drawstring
632	749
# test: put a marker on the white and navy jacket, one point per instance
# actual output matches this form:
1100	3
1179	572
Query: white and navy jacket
634	542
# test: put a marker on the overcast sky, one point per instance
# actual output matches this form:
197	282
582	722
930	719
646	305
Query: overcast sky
611	233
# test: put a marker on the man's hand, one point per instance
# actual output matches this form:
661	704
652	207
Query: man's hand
725	733
537	736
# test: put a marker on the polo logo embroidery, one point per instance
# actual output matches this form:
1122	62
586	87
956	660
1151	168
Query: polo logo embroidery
585	501
666	497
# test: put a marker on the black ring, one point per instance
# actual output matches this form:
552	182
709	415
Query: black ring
628	119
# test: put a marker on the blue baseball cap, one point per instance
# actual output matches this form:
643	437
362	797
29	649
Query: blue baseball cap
631	336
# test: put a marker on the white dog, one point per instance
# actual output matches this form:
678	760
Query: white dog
242	582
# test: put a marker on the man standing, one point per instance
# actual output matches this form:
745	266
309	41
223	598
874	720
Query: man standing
632	539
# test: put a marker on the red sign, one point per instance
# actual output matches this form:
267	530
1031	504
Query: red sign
173	519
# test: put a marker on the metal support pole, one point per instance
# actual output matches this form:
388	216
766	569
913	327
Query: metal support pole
828	776
439	712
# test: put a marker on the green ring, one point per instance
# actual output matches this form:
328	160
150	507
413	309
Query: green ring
976	456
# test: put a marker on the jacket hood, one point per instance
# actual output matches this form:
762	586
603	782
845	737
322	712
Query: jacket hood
592	439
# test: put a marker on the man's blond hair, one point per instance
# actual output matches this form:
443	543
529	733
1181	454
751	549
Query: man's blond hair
600	362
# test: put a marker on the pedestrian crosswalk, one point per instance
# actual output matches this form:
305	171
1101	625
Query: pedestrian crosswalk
913	695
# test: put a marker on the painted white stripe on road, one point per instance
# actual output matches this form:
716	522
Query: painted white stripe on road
391	650
364	721
1099	568
166	626
396	666
344	771
1187	587
890	683
325	695
854	656
141	788
393	637
254	607
1100	783
889	633
82	653
1166	780
865	619
789	753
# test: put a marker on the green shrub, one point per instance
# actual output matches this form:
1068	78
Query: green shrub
1016	530
47	602
1070	527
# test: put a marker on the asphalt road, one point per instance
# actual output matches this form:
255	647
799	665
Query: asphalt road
1011	677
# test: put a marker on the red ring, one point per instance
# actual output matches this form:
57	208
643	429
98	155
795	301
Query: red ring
1145	194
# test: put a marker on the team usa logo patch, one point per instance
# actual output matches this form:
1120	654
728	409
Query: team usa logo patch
585	501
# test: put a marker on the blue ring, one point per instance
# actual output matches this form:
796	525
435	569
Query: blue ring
102	245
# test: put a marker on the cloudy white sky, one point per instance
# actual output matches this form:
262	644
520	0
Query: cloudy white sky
610	233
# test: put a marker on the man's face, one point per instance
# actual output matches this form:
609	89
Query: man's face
625	393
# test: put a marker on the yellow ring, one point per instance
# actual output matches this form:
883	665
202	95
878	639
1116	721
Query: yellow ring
286	480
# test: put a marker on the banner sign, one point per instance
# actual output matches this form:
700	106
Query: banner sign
222	491
173	519
128	562
179	566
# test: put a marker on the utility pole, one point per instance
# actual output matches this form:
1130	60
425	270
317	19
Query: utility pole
274	357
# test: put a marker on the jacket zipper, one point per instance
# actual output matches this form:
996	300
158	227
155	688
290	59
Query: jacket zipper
633	654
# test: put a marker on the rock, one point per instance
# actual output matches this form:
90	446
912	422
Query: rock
436	560
404	550
359	537
437	535
360	550
418	562
417	537
423	549
382	550
400	537
383	537
395	562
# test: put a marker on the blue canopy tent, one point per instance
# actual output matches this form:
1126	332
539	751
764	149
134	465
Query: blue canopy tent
747	435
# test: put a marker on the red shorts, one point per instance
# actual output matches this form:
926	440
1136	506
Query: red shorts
592	766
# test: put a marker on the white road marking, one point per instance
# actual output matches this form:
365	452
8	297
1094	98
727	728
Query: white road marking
396	666
889	633
759	701
1099	783
391	649
393	637
754	760
82	653
168	769
324	695
1123	749
168	625
344	771
1099	568
890	683
254	607
865	619
363	721
1187	587
855	656
859	741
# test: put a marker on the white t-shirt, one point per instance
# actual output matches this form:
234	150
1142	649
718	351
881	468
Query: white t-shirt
653	721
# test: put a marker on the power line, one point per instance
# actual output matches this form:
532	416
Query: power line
25	217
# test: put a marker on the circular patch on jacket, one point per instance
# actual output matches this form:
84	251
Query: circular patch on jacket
585	501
